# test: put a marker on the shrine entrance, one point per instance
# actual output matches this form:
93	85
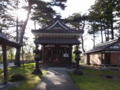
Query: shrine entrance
56	41
57	55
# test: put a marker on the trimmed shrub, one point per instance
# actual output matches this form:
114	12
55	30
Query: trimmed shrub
17	77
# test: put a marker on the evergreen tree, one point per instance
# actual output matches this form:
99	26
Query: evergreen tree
104	13
78	22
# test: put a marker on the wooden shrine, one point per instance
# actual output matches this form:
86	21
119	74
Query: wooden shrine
56	43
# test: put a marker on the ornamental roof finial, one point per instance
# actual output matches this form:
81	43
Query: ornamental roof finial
58	17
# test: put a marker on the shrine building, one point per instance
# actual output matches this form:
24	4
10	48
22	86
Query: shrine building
56	43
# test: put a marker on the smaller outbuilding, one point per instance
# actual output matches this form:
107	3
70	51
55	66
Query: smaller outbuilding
107	53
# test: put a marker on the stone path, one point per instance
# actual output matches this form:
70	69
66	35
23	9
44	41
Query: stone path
56	79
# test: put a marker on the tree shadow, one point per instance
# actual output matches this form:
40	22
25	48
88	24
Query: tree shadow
56	79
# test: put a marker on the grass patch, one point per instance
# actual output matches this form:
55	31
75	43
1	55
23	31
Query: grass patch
30	80
92	80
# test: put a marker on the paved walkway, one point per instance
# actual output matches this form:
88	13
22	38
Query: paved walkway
56	79
9	65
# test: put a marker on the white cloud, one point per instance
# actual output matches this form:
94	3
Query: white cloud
74	6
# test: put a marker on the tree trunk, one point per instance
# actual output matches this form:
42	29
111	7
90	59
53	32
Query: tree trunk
17	60
112	32
35	25
17	25
108	33
101	36
24	26
17	30
82	44
11	56
108	27
105	34
101	33
83	49
93	40
111	21
17	57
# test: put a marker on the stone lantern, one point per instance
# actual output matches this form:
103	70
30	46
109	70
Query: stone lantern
37	59
78	70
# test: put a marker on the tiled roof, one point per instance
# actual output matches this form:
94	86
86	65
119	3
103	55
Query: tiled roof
56	40
59	24
57	31
104	46
4	39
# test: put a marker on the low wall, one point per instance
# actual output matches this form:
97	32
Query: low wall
95	59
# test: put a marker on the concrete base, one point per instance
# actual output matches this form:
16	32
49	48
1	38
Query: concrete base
37	71
78	72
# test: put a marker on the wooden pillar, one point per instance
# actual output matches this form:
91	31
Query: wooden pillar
88	59
5	64
70	57
104	57
101	57
18	59
43	53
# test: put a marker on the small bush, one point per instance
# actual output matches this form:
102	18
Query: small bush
17	77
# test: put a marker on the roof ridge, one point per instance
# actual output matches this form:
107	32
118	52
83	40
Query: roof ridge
106	43
60	23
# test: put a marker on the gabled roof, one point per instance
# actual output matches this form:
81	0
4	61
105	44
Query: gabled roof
57	27
105	46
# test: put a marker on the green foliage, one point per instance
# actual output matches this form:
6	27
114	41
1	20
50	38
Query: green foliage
10	53
17	77
102	17
43	12
92	80
76	20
